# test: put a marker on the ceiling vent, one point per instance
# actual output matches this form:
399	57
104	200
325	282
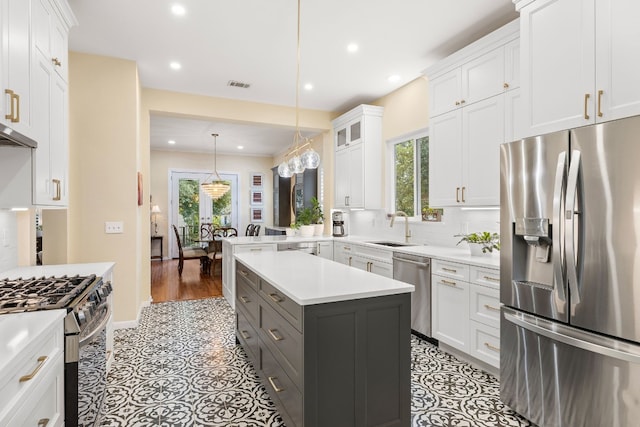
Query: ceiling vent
238	84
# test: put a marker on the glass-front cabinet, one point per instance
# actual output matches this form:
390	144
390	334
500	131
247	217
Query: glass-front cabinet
349	134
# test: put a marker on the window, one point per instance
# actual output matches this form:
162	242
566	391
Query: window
410	189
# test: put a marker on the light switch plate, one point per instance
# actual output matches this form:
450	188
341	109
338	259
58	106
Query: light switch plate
113	227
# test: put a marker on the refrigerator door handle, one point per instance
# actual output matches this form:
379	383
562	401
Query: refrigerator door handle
556	237
573	337
570	217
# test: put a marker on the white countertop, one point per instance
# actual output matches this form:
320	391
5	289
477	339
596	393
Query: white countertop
18	330
457	254
97	268
308	279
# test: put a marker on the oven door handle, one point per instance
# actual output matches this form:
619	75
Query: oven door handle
86	340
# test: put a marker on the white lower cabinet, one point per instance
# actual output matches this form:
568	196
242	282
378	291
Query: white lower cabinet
466	309
450	311
32	369
325	249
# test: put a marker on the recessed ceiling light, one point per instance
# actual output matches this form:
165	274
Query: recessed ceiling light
178	10
171	141
308	86
352	47
394	78
240	147
175	65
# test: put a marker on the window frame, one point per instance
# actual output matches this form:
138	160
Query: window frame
391	188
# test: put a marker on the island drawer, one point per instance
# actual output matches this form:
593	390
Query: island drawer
248	299
485	276
283	392
284	305
284	341
451	269
243	273
248	337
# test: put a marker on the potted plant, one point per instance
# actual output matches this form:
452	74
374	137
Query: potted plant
291	231
304	220
482	243
317	217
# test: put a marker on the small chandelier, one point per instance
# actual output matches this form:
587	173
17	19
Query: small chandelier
296	160
214	186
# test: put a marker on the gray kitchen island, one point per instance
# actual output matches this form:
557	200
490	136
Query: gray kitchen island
331	343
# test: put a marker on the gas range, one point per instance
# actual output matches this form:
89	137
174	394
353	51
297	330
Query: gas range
42	293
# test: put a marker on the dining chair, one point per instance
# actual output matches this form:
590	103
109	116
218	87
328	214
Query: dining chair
256	230
249	230
215	256
189	253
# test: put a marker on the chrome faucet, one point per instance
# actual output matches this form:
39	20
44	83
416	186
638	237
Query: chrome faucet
407	232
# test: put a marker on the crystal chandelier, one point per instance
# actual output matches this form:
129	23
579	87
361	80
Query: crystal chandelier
214	186
296	160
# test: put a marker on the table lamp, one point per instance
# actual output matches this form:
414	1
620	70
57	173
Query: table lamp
155	210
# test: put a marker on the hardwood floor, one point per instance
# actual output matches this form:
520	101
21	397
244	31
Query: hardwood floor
167	285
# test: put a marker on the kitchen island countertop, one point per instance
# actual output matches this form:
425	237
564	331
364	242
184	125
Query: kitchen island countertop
311	280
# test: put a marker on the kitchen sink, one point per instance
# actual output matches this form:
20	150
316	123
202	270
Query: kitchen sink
393	244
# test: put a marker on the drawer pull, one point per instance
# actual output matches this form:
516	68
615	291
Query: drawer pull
347	248
108	354
492	279
243	273
275	297
244	299
42	422
492	347
273	384
41	361
450	270
256	249
490	307
272	332
245	335
448	283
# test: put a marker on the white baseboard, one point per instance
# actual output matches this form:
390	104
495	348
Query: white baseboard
132	323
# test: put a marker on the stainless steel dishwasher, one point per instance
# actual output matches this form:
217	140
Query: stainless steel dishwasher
416	270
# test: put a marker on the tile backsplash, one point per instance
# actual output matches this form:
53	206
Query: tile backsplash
454	221
8	240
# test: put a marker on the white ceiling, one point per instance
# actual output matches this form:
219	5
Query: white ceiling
254	41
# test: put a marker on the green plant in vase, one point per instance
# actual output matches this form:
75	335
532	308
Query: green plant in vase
486	240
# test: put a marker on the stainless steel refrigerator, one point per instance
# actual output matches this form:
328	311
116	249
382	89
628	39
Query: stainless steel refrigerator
570	276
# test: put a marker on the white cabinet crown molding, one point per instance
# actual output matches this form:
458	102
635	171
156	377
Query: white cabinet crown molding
497	38
357	112
65	13
519	4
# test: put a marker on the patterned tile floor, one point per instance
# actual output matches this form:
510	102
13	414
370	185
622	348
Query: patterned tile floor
181	367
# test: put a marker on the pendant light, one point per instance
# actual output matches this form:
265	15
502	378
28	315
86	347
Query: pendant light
295	160
214	186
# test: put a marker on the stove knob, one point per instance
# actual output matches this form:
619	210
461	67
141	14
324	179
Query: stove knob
108	287
82	317
101	293
90	307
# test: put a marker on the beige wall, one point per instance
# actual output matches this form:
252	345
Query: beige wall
103	166
54	236
163	161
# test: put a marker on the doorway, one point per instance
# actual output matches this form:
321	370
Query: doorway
190	206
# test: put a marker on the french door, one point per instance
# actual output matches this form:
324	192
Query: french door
190	207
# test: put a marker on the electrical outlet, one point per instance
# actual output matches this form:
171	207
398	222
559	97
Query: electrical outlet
113	227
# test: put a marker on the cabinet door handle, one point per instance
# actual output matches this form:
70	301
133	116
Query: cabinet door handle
491	279
505	85
350	261
14	104
10	115
600	92
245	335
276	298
244	299
448	283
463	188
346	200
16	119
457	194
490	307
586	101
272	381
243	273
450	270
462	101
272	332
457	102
41	361
492	347
42	422
56	62
56	182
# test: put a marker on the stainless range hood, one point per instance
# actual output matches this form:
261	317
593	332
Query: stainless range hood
12	138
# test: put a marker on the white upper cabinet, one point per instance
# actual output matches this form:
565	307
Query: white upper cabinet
579	63
358	158
470	118
15	84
